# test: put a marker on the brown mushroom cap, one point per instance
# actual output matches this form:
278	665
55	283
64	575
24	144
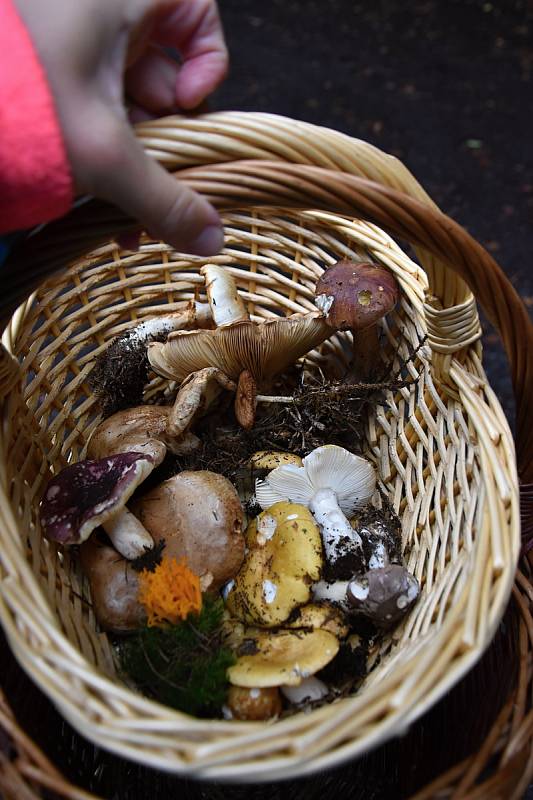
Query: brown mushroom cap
114	587
355	295
200	517
384	595
139	429
253	703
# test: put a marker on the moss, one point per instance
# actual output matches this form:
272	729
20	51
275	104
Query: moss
182	666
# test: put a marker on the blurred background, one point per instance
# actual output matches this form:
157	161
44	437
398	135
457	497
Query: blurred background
447	87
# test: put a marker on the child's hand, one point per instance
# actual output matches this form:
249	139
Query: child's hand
96	51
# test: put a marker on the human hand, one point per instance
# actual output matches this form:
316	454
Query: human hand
93	51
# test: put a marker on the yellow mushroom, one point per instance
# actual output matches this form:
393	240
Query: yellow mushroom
321	616
284	559
270	459
283	658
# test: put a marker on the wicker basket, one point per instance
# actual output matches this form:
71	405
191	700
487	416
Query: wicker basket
442	446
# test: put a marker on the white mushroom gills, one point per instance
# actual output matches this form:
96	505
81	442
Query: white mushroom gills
226	304
331	482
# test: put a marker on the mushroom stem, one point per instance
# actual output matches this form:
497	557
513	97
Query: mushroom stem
334	525
365	354
333	592
274	398
128	535
226	305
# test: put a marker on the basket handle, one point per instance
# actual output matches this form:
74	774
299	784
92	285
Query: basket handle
244	183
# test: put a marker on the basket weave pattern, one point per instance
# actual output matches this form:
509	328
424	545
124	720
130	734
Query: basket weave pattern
441	445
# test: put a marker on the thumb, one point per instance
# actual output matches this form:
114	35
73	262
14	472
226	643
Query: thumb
124	174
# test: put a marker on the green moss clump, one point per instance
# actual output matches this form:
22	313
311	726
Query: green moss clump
182	666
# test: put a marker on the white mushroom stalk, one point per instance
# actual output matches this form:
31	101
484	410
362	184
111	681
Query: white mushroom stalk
224	300
331	482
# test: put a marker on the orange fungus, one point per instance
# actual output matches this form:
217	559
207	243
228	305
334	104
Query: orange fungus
170	593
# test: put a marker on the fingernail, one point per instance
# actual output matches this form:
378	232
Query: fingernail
208	243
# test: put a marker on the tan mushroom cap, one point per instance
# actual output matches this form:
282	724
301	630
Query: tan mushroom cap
200	517
320	616
284	657
270	459
284	559
264	349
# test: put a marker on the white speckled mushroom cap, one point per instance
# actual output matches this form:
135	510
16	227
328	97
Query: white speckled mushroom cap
352	478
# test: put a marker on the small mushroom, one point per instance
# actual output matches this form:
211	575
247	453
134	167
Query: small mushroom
119	373
114	587
254	703
355	296
283	560
384	595
95	492
282	658
322	616
200	518
249	353
270	459
332	482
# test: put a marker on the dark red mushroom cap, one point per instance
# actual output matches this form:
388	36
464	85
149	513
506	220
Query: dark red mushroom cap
355	295
384	595
86	494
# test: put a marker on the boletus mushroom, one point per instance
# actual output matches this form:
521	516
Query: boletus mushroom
354	296
248	353
332	482
200	518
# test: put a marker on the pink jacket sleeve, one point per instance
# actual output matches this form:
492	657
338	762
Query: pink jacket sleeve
35	179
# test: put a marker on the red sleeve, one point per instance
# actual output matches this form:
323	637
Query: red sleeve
35	179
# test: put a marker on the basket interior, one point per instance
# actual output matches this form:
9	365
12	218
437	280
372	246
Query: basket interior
421	440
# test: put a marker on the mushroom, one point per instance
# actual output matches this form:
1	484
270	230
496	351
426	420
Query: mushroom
323	616
354	296
282	658
254	703
114	587
247	352
92	493
258	466
332	482
284	559
200	517
383	595
119	373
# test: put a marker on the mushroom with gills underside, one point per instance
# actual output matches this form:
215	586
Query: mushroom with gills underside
120	373
332	482
354	296
249	353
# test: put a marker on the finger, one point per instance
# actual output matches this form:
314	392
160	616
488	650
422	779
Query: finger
121	172
194	27
151	81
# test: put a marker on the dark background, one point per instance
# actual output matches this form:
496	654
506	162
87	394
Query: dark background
448	88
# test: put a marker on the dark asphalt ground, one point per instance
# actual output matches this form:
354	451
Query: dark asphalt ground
447	87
